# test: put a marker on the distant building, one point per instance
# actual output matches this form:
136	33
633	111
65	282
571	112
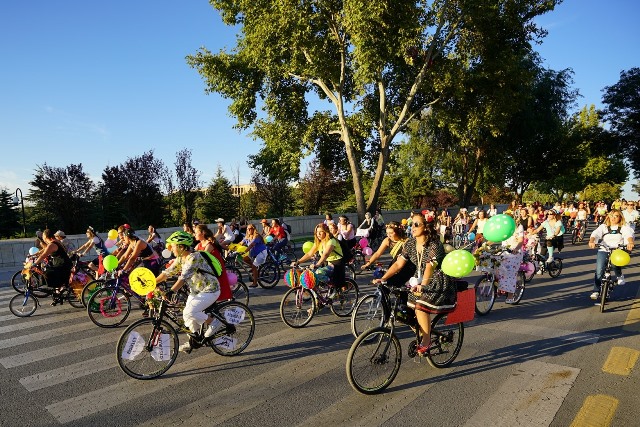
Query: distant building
239	190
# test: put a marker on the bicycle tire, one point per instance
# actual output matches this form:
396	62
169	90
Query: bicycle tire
534	268
351	271
106	312
604	289
240	292
368	314
143	365
268	275
446	341
345	299
19	283
74	300
520	287
233	340
89	288
22	305
574	237
555	268
235	271
485	295
374	360
297	307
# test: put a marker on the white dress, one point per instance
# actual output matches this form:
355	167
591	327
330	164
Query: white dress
507	272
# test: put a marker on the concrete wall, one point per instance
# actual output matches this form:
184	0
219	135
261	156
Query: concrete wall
13	252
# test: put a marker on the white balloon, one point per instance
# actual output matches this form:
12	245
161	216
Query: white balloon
166	253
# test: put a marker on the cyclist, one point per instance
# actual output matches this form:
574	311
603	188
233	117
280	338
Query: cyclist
630	215
396	237
478	224
59	265
330	251
346	230
62	238
154	239
208	243
257	254
192	269
434	291
492	210
279	235
139	248
554	232
581	215
461	221
224	235
510	260
601	212
366	225
96	243
444	225
612	233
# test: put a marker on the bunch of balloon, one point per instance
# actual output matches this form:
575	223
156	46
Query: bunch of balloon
364	245
111	242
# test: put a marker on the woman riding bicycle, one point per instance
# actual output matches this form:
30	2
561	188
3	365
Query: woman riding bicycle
192	269
257	254
396	237
59	265
139	248
96	243
555	232
330	251
207	242
612	233
434	291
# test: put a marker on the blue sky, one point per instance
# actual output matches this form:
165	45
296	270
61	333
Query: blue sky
98	82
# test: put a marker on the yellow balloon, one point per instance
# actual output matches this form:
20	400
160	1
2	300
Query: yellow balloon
620	258
112	234
142	281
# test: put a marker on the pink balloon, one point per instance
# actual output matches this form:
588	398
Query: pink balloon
109	243
233	279
367	251
363	242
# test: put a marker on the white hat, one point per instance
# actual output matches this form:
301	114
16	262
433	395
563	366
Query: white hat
60	233
219	220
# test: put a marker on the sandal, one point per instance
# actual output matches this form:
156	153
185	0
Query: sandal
253	286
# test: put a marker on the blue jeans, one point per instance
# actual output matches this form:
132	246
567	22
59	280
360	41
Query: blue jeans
601	264
280	244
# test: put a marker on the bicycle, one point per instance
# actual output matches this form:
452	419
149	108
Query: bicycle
375	357
300	303
271	271
487	285
540	266
234	261
149	347
607	284
33	275
25	304
577	232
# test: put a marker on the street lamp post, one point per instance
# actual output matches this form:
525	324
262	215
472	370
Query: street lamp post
15	202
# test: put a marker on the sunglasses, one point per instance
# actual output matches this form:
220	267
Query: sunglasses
418	224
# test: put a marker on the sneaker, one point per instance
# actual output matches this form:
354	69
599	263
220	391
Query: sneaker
549	260
509	301
185	348
595	295
539	272
213	328
621	280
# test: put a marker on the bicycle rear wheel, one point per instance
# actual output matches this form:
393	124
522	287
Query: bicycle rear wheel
533	269
236	337
74	298
485	295
297	307
374	360
520	285
555	267
368	313
268	275
147	348
108	307
345	299
22	305
90	288
446	342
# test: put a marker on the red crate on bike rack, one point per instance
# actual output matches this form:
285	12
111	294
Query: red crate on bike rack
465	308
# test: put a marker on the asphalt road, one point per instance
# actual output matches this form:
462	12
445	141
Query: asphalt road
552	360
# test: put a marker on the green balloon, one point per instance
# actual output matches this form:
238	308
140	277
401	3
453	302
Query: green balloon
110	262
458	263
307	247
499	228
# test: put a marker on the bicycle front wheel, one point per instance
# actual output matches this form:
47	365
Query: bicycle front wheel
533	268
19	282
108	307
234	338
74	298
485	295
457	241
297	307
89	289
22	305
268	275
368	313
147	349
446	341
240	292
345	299
554	268
374	360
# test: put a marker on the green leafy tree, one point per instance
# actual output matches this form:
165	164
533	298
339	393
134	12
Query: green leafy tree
218	200
622	110
319	190
188	184
9	216
62	197
375	62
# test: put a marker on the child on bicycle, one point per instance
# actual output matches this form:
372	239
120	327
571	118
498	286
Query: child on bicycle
192	269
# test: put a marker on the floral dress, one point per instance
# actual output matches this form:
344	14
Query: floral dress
507	272
440	294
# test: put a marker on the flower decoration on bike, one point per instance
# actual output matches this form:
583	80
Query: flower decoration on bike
308	279
292	278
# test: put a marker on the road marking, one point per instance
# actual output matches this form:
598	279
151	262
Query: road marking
68	372
531	396
78	407
620	361
597	411
58	350
45	319
540	331
632	322
45	334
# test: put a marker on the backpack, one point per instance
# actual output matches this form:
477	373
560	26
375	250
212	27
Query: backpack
213	263
347	254
287	227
